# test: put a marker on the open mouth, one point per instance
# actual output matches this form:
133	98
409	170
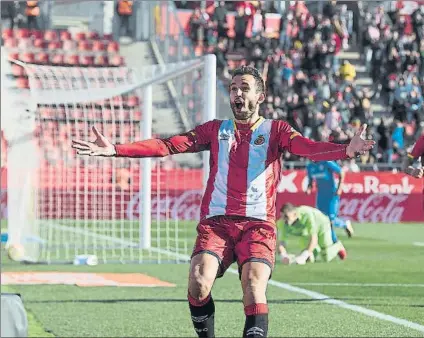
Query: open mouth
238	104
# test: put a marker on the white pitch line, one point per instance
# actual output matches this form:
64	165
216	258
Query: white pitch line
418	243
327	299
344	305
362	284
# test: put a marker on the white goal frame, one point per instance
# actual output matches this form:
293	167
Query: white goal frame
18	220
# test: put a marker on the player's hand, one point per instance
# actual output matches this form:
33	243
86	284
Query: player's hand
338	192
308	191
358	144
417	172
302	258
101	146
287	259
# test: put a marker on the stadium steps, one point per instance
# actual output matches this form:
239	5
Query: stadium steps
363	78
166	121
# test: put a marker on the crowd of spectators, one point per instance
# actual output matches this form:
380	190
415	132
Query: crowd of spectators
310	85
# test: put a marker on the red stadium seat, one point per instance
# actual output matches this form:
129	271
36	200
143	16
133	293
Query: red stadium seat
92	35
39	43
84	46
107	114
17	70
69	45
37	34
7	33
25	43
27	57
98	46
50	35
113	47
22	83
80	36
72	60
13	56
65	35
42	58
137	115
133	101
116	60
87	60
117	101
54	45
22	33
101	60
11	43
58	59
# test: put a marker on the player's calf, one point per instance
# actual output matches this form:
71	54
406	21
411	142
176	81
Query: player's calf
254	279
203	270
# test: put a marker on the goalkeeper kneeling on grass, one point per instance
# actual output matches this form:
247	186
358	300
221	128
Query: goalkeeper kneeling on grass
315	229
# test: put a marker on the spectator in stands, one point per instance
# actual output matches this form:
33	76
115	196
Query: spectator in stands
32	12
220	19
124	8
329	9
240	27
9	11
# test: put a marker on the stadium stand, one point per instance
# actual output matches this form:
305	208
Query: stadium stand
326	72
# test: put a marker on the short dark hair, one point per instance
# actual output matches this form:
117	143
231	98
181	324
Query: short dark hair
247	70
288	207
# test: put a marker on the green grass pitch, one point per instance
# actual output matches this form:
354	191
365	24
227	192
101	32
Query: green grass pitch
384	272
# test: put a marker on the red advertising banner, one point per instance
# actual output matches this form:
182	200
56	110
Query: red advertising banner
367	197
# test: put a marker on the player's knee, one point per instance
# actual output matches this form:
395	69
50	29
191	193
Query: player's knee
254	279
201	280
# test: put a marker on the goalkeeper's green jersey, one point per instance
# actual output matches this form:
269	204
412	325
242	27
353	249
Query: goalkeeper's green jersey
310	221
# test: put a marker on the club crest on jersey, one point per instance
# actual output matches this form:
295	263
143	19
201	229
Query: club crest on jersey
224	136
259	140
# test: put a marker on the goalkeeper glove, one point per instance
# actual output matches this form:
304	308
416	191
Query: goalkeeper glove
287	259
302	258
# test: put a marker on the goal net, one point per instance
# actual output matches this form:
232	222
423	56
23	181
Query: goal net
119	209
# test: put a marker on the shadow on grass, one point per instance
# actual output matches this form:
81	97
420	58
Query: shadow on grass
164	300
352	300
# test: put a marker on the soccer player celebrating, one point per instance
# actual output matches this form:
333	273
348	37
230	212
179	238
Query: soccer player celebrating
314	227
237	213
328	192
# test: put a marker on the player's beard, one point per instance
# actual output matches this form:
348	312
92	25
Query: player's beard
243	113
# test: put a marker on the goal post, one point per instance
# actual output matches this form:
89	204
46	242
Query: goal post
122	210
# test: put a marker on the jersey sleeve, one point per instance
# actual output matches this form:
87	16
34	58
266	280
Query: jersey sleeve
334	167
295	143
418	149
195	140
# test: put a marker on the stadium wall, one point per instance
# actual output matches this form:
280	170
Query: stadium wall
367	197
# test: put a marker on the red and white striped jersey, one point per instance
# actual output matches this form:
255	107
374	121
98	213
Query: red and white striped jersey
244	162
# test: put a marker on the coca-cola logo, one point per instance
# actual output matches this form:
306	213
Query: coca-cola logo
181	205
385	208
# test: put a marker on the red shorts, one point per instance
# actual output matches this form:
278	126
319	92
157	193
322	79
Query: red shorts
240	239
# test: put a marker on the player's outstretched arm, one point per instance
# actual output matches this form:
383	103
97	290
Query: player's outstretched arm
327	151
193	141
